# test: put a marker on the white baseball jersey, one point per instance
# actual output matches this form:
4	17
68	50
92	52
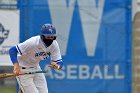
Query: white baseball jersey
33	50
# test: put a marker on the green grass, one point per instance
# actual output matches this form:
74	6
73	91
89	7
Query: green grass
7	89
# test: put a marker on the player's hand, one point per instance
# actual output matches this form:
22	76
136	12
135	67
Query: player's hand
54	65
16	69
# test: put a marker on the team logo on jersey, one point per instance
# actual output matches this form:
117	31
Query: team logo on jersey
43	54
3	33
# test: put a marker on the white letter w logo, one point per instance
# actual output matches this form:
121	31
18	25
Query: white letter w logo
90	17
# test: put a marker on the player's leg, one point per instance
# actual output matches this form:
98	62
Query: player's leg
26	84
41	83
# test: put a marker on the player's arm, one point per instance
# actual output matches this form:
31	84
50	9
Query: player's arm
13	55
56	59
22	49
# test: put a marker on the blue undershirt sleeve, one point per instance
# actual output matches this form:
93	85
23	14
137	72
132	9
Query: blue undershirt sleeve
60	64
13	54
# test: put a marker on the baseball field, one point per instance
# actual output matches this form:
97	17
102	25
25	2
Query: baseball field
7	89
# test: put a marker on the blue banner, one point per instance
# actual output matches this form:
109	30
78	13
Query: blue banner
95	41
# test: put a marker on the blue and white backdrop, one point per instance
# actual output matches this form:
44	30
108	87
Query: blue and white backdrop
95	41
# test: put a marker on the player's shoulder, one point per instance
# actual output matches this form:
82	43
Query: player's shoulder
55	42
33	39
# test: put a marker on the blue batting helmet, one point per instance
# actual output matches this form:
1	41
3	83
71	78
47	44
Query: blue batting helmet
48	30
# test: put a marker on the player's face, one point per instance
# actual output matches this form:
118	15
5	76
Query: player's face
47	39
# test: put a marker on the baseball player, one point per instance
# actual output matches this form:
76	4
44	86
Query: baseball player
27	55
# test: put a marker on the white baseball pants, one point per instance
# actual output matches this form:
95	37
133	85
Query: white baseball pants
33	83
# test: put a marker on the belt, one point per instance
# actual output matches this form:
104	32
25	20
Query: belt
26	67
